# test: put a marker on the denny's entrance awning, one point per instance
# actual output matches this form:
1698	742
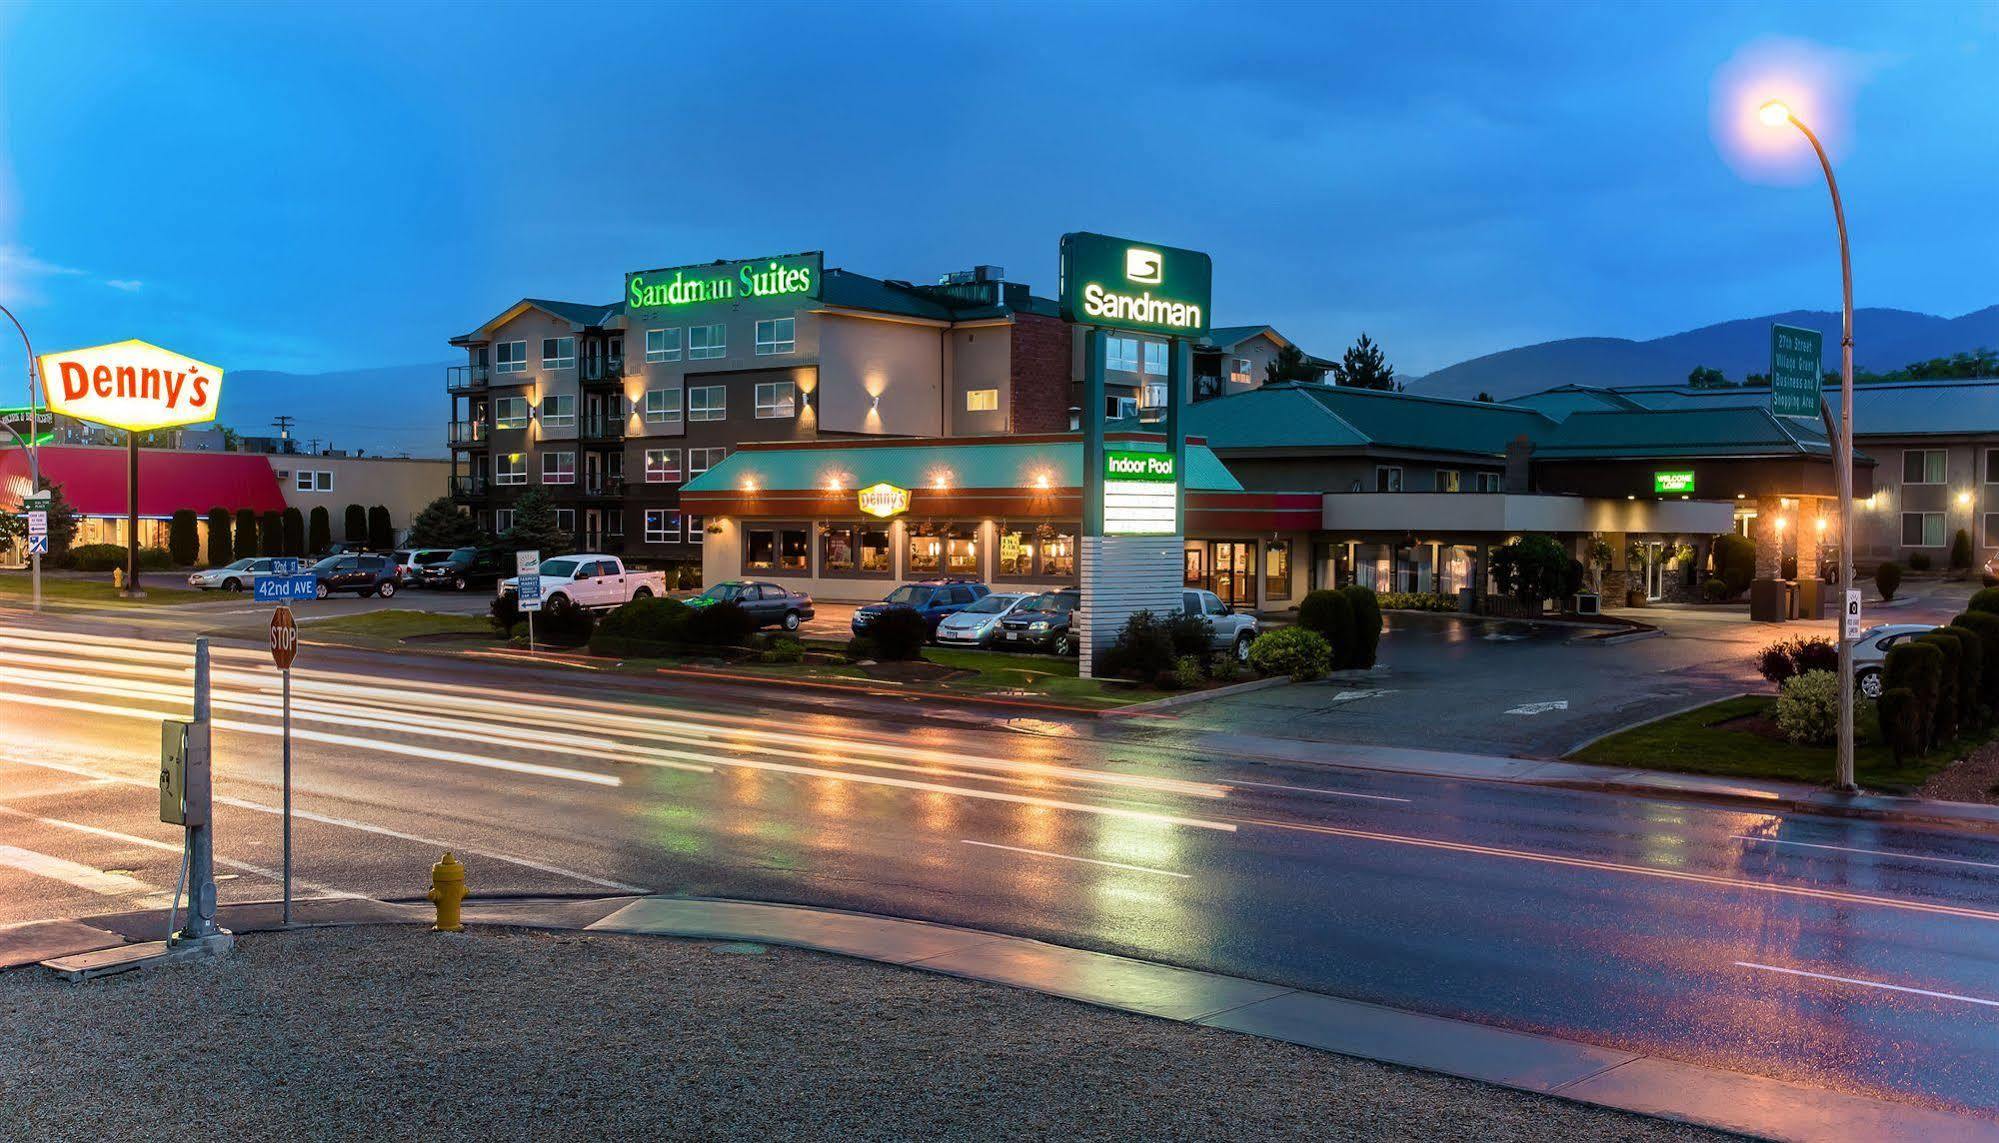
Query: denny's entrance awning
93	480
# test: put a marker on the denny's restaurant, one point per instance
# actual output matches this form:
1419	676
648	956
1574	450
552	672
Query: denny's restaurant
848	520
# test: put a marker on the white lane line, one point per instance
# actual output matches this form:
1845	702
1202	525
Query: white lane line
170	847
72	873
1867	983
1871	852
1313	790
1071	857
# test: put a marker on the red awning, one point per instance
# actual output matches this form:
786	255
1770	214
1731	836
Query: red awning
93	480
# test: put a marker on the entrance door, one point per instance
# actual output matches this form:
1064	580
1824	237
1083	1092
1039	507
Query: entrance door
1655	571
1235	573
1197	565
593	473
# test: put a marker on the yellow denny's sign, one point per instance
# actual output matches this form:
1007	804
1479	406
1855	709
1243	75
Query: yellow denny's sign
883	500
131	385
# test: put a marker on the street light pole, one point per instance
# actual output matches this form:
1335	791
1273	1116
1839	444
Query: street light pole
1776	114
34	449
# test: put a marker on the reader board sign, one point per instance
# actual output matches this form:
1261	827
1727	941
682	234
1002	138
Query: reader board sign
1118	283
1141	493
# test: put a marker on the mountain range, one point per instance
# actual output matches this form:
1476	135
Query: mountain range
1883	339
394	410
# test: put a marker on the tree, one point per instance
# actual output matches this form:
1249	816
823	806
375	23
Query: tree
1290	365
184	537
62	522
1363	367
246	534
319	532
356	525
294	538
232	441
1704	377
220	550
381	531
271	534
1960	551
1532	568
442	524
535	528
1486	397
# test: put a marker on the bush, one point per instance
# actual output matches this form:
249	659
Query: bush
294	532
723	624
1714	590
1330	613
246	534
1142	650
1970	675
184	537
1947	719
861	649
1366	627
1986	626
1960	551
1734	561
1531	569
1918	668
783	650
1901	721
1985	599
220	550
1191	634
96	557
382	533
647	620
568	627
1187	671
271	534
505	612
1303	655
898	634
1888	577
354	524
1224	668
319	531
1919	561
155	559
1417	601
1808	708
1789	658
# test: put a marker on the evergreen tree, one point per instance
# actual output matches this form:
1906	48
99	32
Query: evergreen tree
535	528
1364	367
294	532
442	524
1486	397
271	534
356	525
62	522
319	533
381	531
220	550
184	537
246	534
1289	365
1705	377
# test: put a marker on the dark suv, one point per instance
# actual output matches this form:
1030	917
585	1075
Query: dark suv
933	599
463	569
1044	623
362	575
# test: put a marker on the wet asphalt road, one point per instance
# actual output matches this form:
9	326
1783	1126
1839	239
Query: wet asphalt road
1683	930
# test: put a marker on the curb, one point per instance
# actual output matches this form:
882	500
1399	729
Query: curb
1543	1065
878	691
1171	701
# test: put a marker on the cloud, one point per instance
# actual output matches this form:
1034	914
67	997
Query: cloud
129	285
19	270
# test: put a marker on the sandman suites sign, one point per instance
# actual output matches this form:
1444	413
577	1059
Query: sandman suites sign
1118	283
131	385
786	276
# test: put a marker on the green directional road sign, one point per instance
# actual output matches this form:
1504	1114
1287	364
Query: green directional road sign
1795	373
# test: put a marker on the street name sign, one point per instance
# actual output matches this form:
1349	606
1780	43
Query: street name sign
285	565
1141	493
1795	373
1118	283
38	501
285	588
284	638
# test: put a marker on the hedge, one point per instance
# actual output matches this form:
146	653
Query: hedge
1367	626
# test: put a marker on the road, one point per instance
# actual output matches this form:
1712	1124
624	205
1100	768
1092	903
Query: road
1851	955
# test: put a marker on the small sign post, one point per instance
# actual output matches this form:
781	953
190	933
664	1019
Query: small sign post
1852	619
527	579
37	504
284	648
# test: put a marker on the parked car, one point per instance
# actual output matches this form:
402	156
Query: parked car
1046	622
979	624
1233	632
931	598
1870	651
770	604
239	576
463	569
362	575
590	581
410	561
344	548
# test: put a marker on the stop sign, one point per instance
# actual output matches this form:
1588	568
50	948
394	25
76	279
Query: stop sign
284	638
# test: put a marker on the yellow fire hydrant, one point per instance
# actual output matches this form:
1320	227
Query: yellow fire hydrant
447	889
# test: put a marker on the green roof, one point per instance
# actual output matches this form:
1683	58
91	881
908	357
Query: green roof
1002	464
1681	432
1290	415
581	313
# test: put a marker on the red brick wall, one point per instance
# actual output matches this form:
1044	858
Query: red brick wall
1040	384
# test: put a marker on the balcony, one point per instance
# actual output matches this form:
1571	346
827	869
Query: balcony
468	434
603	487
602	371
604	429
464	378
465	486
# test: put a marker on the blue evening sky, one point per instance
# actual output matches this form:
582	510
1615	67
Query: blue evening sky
339	185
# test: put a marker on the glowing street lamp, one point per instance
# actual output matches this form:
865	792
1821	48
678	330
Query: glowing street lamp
1776	114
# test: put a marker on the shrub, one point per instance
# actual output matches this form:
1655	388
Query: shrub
1714	590
382	533
1916	667
784	650
354	524
1734	561
220	550
1143	648
184	537
1166	681
647	620
567	627
1960	551
505	612
294	532
1985	599
1947	719
1187	671
96	557
1366	626
319	531
1303	655
1531	569
1919	561
246	534
1888	577
862	649
1789	658
1986	626
1417	601
1224	668
723	624
155	559
1808	708
1191	634
1901	721
1970	675
271	534
898	634
1330	613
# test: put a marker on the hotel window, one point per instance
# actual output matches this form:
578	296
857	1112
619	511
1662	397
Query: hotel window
1486	481
503	521
1922	529
1992	466
314	480
510	357
510	468
662	526
1121	353
558	468
510	413
1155	357
777	399
663	465
708	403
1387	478
662	345
558	412
1120	408
662	406
706	342
697	530
1153	396
558	353
1239	371
853	549
700	460
775	549
776	335
1447	480
1991	525
982	400
565	521
1277	569
1922	466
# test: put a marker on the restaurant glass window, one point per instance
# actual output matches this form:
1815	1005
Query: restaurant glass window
836	550
773	548
926	552
1277	569
1044	552
961	551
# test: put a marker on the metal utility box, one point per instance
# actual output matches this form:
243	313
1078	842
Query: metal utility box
173	771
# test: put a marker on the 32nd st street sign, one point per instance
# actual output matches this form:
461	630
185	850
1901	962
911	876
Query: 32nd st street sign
131	385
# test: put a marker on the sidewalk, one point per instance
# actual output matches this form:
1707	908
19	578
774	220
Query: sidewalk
1541	1065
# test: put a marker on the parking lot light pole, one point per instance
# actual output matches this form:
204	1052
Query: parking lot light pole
1776	114
29	442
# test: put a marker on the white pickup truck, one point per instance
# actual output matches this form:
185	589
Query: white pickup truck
590	581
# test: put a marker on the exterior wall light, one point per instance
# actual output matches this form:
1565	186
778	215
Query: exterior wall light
1964	499
749	484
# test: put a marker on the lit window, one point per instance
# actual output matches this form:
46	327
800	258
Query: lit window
1153	396
1239	371
510	413
1155	358
558	412
662	345
705	342
510	357
1121	353
1922	529
510	468
776	335
700	460
662	406
663	465
1447	480
662	526
558	468
776	399
708	403
697	528
558	353
982	401
1387	478
503	520
1922	466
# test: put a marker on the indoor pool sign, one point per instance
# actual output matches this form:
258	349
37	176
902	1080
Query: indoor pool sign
789	275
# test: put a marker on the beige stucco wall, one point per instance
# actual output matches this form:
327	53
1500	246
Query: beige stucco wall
1964	498
902	364
981	358
404	487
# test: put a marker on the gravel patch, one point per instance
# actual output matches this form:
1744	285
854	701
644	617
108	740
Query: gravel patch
1971	779
508	1034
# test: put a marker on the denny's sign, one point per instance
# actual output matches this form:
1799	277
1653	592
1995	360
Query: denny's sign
131	385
